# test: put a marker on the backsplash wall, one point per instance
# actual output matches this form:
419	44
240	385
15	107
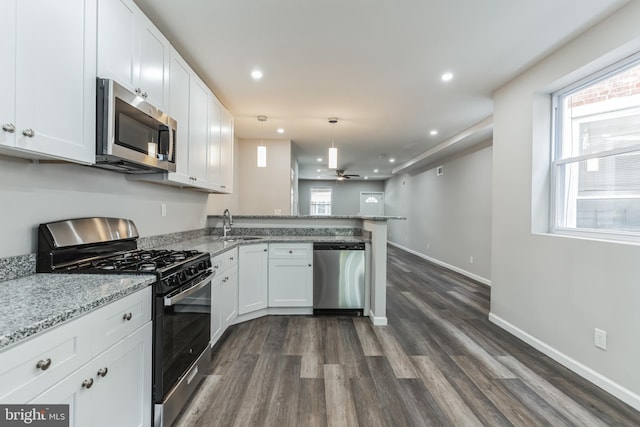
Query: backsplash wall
33	193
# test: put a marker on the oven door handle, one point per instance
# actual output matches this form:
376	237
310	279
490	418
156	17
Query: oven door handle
171	300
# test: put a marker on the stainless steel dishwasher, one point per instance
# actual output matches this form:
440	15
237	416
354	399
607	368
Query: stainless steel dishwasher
338	278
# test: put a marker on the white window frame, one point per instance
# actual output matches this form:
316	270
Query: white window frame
557	160
311	204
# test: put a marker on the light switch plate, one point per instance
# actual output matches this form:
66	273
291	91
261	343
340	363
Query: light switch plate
600	338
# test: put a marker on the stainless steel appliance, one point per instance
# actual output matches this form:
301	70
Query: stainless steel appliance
338	278
132	136
182	296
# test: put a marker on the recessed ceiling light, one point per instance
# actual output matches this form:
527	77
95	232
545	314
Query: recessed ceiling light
319	159
433	132
318	170
280	130
256	74
375	171
447	76
366	177
392	160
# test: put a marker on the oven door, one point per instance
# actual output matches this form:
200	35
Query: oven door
183	324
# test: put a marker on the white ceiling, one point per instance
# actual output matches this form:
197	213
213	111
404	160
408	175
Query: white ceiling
374	64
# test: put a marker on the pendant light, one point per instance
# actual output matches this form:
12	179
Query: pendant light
262	149
333	151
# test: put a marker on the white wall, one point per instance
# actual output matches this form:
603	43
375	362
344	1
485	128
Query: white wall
551	290
262	191
448	216
345	195
32	193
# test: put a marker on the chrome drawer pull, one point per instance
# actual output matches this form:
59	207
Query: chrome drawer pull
9	127
127	316
87	383
102	372
43	364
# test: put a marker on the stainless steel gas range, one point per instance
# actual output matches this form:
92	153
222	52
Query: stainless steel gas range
182	296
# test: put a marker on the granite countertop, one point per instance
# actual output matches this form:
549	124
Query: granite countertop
37	302
215	245
364	217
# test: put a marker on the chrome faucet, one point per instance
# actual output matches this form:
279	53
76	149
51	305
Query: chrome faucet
226	228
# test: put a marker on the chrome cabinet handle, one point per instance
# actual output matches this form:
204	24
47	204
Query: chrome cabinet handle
28	132
43	364
144	95
138	91
264	250
290	252
127	316
87	383
9	127
309	265
102	372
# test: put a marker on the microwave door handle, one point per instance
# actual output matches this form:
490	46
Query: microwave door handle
169	301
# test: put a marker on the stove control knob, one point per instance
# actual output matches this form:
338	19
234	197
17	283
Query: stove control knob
182	276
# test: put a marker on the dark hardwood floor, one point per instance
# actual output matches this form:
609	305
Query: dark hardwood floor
439	362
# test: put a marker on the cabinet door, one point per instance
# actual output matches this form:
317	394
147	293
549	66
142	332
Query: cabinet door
7	73
179	78
215	129
55	78
229	296
252	278
122	397
152	66
198	131
290	283
226	152
117	41
216	309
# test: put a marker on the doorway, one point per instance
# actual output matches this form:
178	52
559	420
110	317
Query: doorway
371	203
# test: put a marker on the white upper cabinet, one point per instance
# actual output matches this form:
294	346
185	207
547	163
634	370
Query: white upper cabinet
226	152
198	132
47	79
132	51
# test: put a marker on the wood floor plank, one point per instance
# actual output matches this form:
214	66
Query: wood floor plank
496	369
200	402
564	404
535	403
517	413
368	407
443	392
282	409
312	406
311	366
255	402
368	340
341	409
225	403
398	359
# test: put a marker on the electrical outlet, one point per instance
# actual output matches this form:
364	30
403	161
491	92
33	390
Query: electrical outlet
471	259
600	338
163	209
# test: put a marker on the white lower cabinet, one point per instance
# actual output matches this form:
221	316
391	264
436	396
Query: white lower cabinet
224	292
99	364
114	389
290	275
252	277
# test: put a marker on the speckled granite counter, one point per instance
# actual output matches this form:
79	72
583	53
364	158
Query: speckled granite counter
215	245
32	304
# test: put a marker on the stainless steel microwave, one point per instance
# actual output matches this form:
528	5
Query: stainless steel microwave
132	136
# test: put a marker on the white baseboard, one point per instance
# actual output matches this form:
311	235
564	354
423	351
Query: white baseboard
470	275
377	320
611	387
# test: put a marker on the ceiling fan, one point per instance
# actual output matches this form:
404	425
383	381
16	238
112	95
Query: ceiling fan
340	175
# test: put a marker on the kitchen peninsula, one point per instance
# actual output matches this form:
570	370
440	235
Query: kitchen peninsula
372	228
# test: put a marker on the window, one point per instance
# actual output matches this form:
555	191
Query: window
320	201
596	164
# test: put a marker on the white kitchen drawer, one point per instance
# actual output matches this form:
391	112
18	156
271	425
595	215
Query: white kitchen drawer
64	348
118	319
290	250
225	260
